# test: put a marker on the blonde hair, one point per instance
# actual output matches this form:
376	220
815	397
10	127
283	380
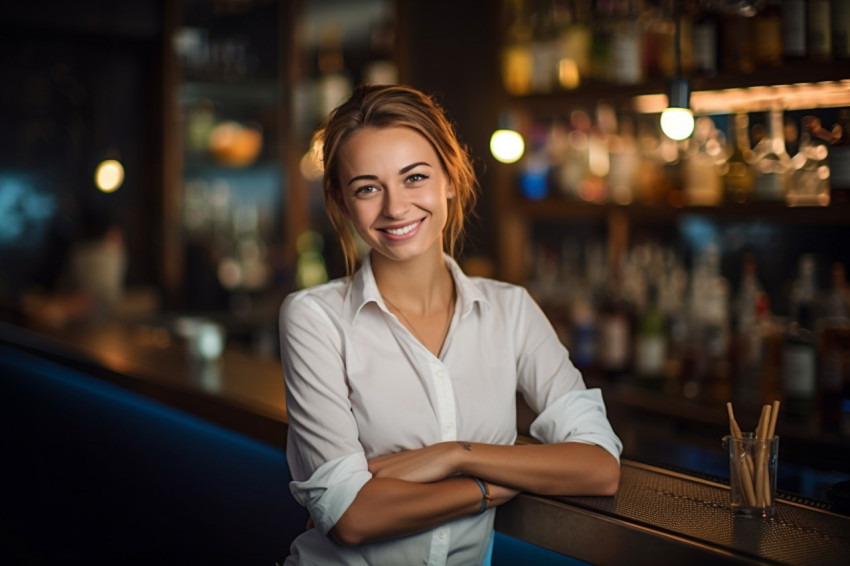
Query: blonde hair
393	106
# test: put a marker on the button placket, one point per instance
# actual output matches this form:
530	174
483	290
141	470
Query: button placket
445	401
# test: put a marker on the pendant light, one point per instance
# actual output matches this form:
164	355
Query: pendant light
677	120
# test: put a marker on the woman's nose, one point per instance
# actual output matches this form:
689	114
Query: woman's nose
395	203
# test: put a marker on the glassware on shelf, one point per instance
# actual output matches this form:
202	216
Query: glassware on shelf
772	164
810	171
703	185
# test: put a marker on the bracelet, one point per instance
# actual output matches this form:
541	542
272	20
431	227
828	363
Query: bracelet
485	493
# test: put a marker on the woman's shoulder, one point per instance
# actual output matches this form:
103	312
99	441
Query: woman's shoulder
328	296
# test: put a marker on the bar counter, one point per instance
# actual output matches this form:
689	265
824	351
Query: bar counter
659	516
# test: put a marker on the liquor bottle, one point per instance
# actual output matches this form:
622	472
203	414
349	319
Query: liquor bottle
767	34
738	178
572	19
517	61
705	42
772	164
839	159
841	29
794	28
709	340
651	343
748	341
616	316
833	331
545	48
799	353
334	83
626	45
810	173
818	30
736	48
703	185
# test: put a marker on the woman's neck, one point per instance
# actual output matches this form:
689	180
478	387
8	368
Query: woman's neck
420	285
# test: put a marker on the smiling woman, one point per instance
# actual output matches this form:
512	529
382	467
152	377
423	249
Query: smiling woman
402	378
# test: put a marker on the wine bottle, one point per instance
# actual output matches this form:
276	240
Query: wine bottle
818	30
767	34
799	353
738	178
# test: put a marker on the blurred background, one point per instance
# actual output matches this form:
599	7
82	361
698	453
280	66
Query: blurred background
156	161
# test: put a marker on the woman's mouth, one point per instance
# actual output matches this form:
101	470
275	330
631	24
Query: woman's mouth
402	232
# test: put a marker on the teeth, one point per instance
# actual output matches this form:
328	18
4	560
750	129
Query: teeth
402	231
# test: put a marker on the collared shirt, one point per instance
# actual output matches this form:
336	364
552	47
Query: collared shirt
360	385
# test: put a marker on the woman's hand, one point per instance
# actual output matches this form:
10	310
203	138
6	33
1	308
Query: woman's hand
422	465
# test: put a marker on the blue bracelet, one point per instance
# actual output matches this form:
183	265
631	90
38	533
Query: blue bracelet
485	494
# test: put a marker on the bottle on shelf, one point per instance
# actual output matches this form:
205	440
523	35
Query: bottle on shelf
772	164
767	34
545	47
705	42
517	60
616	326
575	37
651	343
736	45
799	352
708	371
818	29
794	29
750	312
738	178
626	45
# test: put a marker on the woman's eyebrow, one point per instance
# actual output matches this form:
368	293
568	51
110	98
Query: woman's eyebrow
363	178
404	170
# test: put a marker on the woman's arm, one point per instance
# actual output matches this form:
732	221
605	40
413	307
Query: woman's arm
567	468
387	507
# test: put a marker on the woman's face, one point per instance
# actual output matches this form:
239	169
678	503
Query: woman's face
395	191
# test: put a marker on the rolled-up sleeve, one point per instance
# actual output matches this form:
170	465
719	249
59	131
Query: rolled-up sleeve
578	416
325	456
553	387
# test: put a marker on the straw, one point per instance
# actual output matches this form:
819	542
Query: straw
745	466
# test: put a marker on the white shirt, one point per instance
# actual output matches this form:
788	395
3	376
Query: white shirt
359	385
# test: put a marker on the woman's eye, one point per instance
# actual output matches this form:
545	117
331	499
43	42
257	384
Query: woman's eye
365	190
416	177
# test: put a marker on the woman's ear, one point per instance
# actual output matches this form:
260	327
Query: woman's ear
450	191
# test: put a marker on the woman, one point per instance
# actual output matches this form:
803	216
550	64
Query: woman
402	377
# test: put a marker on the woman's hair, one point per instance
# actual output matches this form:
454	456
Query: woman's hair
393	106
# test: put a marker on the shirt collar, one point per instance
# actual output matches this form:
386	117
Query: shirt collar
363	289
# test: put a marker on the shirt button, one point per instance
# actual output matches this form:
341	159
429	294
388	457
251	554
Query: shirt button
442	535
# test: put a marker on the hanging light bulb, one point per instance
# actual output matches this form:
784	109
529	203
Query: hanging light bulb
677	120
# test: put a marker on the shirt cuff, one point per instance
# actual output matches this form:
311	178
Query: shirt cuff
577	416
331	489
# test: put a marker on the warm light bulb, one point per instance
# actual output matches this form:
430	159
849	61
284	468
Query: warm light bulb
677	123
507	146
109	175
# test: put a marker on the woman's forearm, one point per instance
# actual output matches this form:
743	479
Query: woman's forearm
569	468
388	507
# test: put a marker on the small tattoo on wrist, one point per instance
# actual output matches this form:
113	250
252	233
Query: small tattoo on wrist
465	445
